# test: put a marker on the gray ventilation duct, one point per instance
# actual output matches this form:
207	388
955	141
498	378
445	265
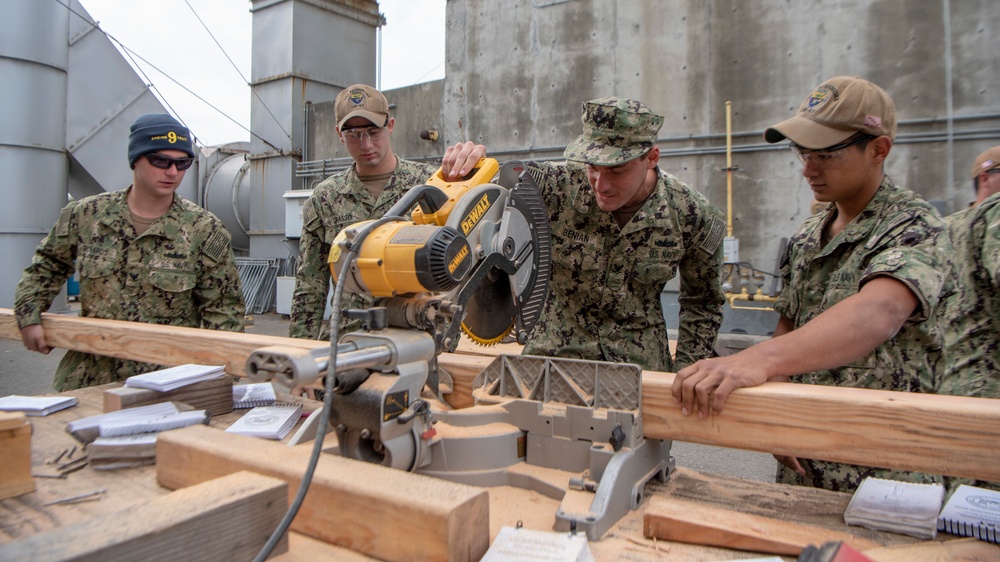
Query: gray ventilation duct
34	55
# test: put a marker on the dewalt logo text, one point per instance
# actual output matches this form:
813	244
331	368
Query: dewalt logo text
458	259
477	212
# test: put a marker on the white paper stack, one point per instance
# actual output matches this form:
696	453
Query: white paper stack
35	405
899	507
142	419
268	422
173	378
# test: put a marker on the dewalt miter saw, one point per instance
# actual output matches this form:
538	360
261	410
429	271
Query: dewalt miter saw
473	257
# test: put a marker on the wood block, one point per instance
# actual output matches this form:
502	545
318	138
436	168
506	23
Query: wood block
15	450
372	509
689	522
229	518
213	395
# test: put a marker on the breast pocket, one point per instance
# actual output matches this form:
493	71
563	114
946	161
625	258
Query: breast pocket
657	271
169	296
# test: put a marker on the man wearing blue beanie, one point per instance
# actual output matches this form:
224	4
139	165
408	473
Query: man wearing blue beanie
144	254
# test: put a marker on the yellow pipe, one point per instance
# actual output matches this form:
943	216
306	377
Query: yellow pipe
759	296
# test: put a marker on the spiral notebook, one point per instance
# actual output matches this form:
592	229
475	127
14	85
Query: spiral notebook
268	422
173	378
972	512
253	395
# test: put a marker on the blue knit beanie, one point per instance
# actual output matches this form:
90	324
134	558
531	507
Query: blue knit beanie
157	131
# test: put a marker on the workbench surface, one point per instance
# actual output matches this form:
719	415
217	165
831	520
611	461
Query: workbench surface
28	515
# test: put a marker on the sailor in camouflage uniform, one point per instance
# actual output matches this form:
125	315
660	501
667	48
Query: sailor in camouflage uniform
367	190
973	314
973	336
621	229
873	264
144	254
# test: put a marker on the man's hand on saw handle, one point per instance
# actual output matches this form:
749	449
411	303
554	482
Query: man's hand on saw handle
461	158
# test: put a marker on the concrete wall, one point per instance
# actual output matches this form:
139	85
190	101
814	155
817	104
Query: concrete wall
518	70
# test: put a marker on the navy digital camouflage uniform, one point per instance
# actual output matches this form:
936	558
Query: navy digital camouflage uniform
897	234
336	203
604	297
179	272
973	335
972	340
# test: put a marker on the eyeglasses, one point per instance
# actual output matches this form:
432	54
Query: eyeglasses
358	135
164	162
829	157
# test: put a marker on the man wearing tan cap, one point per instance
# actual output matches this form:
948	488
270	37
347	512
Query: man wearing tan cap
621	229
863	278
366	190
973	336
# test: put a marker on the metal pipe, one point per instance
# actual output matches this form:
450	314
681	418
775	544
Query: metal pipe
729	169
949	104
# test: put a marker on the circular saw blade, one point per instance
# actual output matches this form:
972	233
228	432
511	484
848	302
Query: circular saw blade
491	312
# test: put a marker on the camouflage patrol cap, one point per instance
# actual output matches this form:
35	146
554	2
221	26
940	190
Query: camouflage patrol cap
986	161
615	131
364	101
836	110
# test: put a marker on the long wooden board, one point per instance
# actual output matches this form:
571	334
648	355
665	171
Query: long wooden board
389	514
928	433
679	520
225	519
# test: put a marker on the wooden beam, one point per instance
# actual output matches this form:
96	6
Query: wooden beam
225	519
164	345
928	433
694	523
909	431
213	395
15	450
386	513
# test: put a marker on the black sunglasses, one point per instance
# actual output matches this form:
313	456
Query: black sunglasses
164	162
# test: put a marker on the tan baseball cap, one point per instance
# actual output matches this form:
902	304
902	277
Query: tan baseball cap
837	109
986	161
364	101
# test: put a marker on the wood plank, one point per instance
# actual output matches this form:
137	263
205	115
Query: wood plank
958	550
689	522
229	518
15	450
375	510
901	430
214	395
927	433
163	345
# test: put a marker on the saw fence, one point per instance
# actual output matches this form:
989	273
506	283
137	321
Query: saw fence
948	435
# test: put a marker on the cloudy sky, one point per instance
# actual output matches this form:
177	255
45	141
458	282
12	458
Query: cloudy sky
179	50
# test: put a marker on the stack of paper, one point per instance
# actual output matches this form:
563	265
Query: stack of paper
122	452
898	507
253	395
173	378
143	419
268	422
972	512
35	405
